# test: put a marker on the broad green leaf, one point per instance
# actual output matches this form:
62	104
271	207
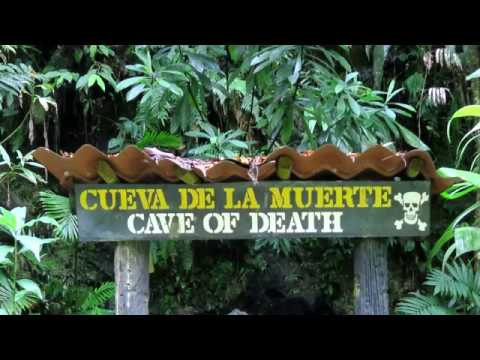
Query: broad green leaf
5	155
391	86
20	214
170	86
449	233
8	221
135	91
354	105
474	75
411	138
78	54
391	114
31	286
4	251
82	81
93	51
260	58
197	134
236	51
43	219
467	239
30	176
339	87
239	144
33	244
91	79
405	106
100	82
208	128
43	102
129	82
466	111
468	176
296	71
458	190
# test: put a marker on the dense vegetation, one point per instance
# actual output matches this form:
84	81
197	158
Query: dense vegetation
223	101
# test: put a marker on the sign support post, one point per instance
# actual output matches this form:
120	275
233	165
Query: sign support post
132	278
371	277
131	260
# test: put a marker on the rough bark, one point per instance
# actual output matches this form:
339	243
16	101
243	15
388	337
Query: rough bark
371	277
132	278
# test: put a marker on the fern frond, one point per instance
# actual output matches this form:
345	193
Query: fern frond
418	304
458	282
58	207
24	300
97	298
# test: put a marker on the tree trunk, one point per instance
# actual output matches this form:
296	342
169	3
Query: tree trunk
371	277
132	278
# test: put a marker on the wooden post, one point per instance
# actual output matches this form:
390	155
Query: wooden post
132	278
131	265
371	277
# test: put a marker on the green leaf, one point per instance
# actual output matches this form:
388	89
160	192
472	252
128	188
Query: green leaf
78	54
129	82
8	221
467	239
354	105
170	86
135	91
5	250
30	286
82	81
5	155
20	214
405	106
33	244
43	219
238	143
296	71
100	82
93	51
474	75
197	134
449	233
91	79
466	111
412	139
468	176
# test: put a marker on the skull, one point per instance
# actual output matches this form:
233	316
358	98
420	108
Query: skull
411	205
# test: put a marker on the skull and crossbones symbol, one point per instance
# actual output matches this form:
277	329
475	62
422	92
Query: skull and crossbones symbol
411	202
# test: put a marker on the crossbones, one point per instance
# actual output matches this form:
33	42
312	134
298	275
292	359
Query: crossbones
411	202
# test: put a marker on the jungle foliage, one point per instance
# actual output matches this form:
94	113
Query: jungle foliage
227	101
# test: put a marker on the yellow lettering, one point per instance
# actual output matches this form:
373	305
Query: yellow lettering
84	199
280	199
250	201
299	197
103	199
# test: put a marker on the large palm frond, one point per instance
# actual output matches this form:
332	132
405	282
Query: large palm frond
58	207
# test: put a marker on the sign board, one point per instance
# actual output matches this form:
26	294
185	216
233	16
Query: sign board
244	210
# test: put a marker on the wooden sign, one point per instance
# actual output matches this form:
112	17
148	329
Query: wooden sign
243	210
